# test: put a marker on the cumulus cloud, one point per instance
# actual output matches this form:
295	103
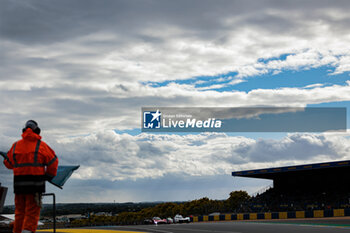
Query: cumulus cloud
119	166
112	156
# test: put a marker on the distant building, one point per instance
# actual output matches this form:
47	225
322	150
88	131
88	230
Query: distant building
104	214
69	218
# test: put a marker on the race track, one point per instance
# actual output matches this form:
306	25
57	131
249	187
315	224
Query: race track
295	226
273	226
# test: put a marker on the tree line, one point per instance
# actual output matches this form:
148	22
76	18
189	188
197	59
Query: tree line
203	206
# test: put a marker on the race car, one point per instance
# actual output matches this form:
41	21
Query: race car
179	219
158	220
170	220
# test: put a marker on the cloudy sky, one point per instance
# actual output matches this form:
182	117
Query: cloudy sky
83	70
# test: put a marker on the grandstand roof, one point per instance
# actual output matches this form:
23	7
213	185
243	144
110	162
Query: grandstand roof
271	173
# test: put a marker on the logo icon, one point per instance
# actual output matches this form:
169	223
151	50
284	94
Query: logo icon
151	120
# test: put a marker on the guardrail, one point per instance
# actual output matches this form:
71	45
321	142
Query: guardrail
274	215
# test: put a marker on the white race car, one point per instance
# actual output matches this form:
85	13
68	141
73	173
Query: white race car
179	219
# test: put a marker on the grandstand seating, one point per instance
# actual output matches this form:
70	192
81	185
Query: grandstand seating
322	186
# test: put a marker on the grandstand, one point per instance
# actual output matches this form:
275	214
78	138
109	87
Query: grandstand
302	187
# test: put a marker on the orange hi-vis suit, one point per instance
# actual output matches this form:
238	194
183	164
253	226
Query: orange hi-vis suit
33	162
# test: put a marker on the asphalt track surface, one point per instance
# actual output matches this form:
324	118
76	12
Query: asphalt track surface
268	226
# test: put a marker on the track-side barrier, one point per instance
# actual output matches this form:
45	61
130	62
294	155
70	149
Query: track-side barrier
274	215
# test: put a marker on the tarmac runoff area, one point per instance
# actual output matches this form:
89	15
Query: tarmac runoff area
324	225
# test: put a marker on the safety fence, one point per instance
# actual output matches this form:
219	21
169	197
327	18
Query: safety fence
274	215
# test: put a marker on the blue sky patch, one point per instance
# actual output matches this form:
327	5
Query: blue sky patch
282	57
306	78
